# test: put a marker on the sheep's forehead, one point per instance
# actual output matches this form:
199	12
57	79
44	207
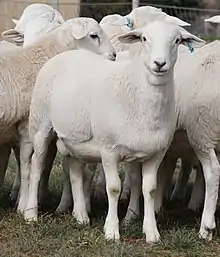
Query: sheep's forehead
110	18
162	31
92	25
146	10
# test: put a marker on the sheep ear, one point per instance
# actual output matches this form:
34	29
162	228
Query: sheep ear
15	21
10	33
131	37
190	40
79	29
14	36
177	21
214	19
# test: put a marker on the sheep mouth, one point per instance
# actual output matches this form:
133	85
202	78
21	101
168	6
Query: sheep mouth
160	72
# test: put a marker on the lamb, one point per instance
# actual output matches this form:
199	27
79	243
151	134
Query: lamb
198	113
18	72
115	25
197	195
35	21
140	95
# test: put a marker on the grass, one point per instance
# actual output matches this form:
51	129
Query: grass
60	236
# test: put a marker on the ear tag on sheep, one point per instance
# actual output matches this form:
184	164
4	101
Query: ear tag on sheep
190	47
129	23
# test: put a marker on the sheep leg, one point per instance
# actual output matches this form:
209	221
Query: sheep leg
198	191
113	189
126	186
76	178
211	170
133	210
44	193
5	152
165	175
17	181
88	175
40	144
100	184
149	185
66	201
26	151
180	186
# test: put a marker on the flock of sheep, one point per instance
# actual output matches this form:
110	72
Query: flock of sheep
129	89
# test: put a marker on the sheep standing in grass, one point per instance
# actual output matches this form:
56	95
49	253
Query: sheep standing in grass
139	127
35	21
115	25
19	69
197	195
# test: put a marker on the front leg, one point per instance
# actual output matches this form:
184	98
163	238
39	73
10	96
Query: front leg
133	211
149	185
26	151
113	188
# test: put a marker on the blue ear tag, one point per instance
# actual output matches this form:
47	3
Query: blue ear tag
190	47
129	23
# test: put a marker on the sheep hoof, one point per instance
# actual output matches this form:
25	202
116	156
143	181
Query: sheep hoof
111	231
112	235
206	233
63	208
81	218
152	236
30	215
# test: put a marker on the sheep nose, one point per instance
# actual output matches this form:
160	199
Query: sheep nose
113	56
160	64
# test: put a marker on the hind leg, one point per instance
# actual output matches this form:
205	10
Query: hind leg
211	170
76	178
198	192
133	210
41	141
66	201
17	181
44	193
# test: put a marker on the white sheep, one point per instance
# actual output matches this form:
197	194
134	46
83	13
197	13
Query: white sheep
23	65
115	25
197	96
35	21
197	195
139	127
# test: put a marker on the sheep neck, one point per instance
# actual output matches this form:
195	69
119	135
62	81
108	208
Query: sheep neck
151	110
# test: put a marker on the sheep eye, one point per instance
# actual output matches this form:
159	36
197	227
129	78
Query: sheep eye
94	36
177	41
144	39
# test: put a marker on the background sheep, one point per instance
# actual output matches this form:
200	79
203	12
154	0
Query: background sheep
197	195
73	34
35	21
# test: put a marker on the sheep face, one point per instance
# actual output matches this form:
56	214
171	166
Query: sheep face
160	41
90	36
